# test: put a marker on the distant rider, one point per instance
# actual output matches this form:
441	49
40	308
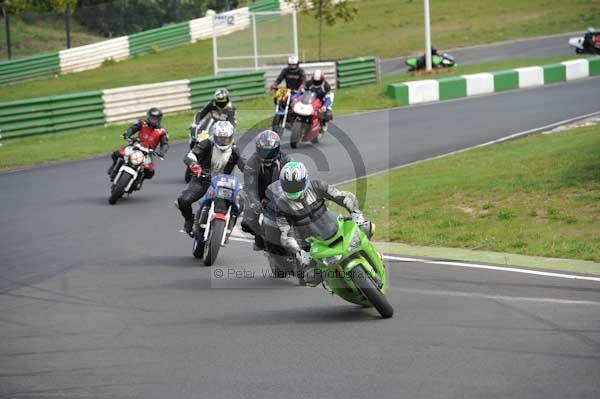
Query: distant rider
591	38
322	88
302	203
261	169
150	134
293	75
216	155
219	108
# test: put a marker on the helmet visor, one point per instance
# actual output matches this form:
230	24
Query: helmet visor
222	102
293	189
268	153
154	120
223	141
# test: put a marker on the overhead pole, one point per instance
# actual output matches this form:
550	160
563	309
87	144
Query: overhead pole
427	36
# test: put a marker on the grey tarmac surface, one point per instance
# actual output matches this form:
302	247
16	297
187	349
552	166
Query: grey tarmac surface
107	302
527	48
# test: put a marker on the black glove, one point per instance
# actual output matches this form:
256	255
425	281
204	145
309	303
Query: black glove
257	208
125	136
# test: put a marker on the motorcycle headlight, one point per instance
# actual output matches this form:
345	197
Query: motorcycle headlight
354	242
224	192
331	260
136	158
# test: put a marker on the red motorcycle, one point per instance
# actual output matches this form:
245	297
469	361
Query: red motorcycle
307	121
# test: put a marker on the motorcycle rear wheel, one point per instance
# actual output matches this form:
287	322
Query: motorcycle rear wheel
118	189
374	295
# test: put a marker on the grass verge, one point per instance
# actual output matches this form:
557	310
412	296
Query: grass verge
94	141
454	24
537	196
42	34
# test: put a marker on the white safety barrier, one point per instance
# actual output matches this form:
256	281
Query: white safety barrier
91	56
576	69
530	76
479	83
227	22
128	103
423	91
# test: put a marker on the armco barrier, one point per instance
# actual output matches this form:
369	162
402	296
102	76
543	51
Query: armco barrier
127	103
59	113
356	71
272	71
240	86
423	91
29	68
50	114
165	37
93	55
264	5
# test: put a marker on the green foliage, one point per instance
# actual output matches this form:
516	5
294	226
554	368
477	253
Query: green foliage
328	10
28	6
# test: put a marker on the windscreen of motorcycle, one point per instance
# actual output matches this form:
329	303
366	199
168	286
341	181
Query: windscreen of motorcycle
304	106
322	227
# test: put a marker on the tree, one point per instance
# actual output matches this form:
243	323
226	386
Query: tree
327	11
25	6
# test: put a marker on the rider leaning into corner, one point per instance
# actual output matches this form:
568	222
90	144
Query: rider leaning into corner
300	205
150	134
261	169
293	75
219	108
322	88
218	155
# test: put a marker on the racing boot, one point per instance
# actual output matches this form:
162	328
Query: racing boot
259	243
188	226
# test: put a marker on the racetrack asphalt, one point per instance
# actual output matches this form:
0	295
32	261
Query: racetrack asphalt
550	46
107	302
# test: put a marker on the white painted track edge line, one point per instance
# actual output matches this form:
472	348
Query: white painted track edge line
471	265
495	268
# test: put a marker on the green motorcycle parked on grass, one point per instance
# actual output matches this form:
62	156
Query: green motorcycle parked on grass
349	264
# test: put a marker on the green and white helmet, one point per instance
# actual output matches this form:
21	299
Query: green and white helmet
294	179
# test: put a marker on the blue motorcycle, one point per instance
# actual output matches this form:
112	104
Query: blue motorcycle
216	217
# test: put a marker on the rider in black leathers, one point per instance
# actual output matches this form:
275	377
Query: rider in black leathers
216	155
293	75
261	169
219	108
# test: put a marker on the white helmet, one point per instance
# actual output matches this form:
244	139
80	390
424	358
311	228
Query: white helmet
222	134
318	76
293	62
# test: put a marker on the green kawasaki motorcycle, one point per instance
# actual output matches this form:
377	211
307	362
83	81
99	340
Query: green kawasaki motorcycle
437	61
349	264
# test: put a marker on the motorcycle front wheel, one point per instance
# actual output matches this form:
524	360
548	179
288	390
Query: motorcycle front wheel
373	294
297	133
118	189
213	242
